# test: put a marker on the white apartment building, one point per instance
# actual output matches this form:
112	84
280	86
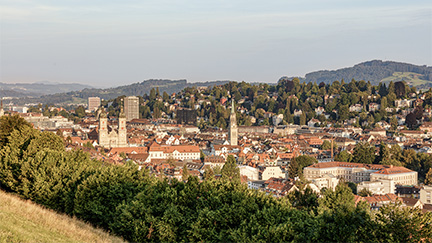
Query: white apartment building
272	171
426	194
388	176
177	152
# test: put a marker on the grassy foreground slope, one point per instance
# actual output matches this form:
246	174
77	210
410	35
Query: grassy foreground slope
25	221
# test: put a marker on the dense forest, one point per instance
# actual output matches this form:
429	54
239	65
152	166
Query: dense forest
139	207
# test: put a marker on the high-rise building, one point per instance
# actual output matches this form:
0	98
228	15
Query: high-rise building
131	108
233	130
93	103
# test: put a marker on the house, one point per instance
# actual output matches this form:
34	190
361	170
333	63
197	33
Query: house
374	106
313	122
403	103
426	194
297	112
277	119
250	172
412	202
272	171
319	110
356	108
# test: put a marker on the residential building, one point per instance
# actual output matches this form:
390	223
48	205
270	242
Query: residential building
426	194
176	152
131	107
93	103
272	171
388	175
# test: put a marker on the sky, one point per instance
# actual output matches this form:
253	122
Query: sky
106	43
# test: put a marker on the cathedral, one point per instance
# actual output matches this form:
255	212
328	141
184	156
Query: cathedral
233	133
115	137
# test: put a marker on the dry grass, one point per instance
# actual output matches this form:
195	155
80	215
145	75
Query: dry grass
24	221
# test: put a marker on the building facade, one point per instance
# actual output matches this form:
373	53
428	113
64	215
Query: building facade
115	137
386	176
176	152
93	103
131	107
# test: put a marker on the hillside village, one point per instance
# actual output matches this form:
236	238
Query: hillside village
282	137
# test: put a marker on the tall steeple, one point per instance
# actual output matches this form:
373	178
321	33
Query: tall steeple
232	134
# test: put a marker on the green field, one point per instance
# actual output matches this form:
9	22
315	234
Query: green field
412	79
24	221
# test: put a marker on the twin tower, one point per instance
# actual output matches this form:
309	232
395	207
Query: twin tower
115	137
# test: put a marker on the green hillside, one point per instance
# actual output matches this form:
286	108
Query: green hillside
412	79
24	221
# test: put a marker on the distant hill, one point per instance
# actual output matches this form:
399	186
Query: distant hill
136	89
38	89
375	71
24	221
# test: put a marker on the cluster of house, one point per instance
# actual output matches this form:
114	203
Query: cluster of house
263	153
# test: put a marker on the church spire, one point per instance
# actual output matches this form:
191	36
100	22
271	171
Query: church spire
232	133
232	106
122	114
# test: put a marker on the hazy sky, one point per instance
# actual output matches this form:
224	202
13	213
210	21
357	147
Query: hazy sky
110	43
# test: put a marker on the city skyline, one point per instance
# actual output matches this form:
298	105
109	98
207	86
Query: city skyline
125	42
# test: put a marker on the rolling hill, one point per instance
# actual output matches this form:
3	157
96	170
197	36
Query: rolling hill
135	89
38	89
375	71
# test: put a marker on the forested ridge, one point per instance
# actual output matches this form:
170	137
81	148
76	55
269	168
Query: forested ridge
373	71
139	207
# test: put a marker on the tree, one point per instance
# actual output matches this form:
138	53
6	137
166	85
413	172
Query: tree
298	163
344	156
80	111
209	174
305	199
384	154
185	173
394	122
391	218
10	123
411	120
343	113
399	89
428	179
383	103
363	153
303	119
230	171
364	193
326	145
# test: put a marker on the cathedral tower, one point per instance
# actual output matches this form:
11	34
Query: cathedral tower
122	140
103	128
232	134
